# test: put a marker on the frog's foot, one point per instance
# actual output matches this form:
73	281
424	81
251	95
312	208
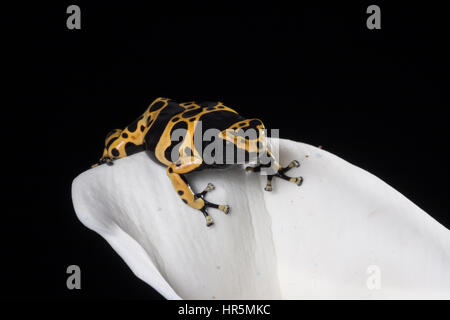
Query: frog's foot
297	180
280	174
209	220
107	160
224	208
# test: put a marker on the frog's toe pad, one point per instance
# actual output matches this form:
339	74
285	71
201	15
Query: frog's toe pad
209	221
224	208
268	188
298	181
210	187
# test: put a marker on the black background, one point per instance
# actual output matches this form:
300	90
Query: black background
377	98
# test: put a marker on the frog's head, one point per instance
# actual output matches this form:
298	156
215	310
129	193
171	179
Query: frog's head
108	155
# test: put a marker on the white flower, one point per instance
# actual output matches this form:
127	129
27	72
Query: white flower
343	234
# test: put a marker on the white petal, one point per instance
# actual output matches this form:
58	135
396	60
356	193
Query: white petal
329	238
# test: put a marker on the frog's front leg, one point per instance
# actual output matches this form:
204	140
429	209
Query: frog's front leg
107	160
197	201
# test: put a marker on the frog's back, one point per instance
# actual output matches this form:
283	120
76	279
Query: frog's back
191	118
211	115
188	115
160	123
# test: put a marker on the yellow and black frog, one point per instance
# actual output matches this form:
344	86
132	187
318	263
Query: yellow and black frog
177	135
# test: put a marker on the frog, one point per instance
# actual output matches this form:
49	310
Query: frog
153	132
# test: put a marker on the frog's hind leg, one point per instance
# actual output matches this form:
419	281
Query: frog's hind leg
184	190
